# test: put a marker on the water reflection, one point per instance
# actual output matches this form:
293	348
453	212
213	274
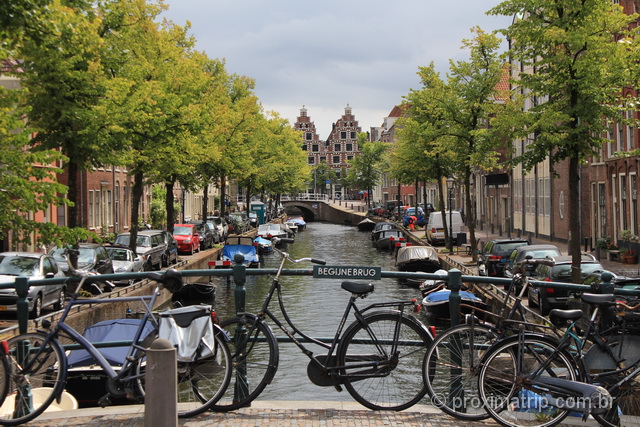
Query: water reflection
315	305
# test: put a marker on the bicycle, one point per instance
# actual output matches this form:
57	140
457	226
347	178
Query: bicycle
451	365
537	380
375	358
38	362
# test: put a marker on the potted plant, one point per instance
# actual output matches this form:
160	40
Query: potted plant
628	255
602	246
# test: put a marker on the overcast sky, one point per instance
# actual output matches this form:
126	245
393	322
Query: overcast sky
325	54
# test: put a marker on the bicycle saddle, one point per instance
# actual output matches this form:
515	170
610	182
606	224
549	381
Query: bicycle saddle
171	279
357	288
566	314
598	298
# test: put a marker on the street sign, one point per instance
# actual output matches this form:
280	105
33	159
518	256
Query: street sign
347	272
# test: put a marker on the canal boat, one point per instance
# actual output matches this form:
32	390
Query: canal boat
380	227
299	222
268	231
265	246
366	225
86	380
436	302
417	259
240	245
292	226
390	239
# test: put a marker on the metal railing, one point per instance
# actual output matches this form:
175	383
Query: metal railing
239	273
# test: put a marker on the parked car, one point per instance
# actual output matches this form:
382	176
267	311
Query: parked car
550	298
435	227
411	211
221	226
515	263
124	261
238	223
187	237
493	257
207	234
35	266
376	210
253	219
150	245
427	207
92	257
171	249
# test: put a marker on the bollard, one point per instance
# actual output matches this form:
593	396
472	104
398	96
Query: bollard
161	388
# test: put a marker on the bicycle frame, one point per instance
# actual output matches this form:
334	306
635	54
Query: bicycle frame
351	305
62	328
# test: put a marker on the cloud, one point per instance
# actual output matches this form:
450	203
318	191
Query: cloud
327	53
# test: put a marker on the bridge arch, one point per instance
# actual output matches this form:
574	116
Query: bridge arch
310	210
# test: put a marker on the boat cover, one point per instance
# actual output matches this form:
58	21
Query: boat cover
109	330
248	251
297	221
415	253
440	297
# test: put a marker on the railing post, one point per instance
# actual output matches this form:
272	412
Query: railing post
22	306
241	388
455	284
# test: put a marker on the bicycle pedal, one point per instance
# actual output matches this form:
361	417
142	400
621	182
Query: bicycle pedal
104	401
338	387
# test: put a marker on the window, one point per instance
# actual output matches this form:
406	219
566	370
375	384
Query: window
304	147
634	202
353	135
109	220
336	159
602	209
116	211
547	196
541	205
343	135
630	132
619	144
309	136
314	148
349	157
125	190
312	160
623	198
336	147
323	159
349	147
91	207
97	217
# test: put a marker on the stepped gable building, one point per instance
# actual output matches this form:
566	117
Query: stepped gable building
340	147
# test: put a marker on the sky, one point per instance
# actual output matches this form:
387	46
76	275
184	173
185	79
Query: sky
327	54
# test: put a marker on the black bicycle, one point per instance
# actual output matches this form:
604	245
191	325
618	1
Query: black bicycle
376	358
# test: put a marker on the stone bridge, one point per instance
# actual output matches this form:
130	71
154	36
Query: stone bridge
319	210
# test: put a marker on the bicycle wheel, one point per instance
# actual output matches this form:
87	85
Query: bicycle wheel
202	382
503	383
392	348
4	372
34	387
626	398
451	370
254	356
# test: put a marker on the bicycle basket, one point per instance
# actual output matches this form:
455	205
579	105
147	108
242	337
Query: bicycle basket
190	330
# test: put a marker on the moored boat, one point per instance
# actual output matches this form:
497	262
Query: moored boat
366	225
380	227
436	303
241	245
265	246
299	222
389	239
417	258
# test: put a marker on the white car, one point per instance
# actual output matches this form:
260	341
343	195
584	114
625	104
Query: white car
124	261
35	266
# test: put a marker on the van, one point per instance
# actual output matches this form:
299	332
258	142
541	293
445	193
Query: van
435	229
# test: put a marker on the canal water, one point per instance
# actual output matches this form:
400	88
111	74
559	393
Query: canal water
314	305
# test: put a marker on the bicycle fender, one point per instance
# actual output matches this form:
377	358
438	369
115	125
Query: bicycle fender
411	319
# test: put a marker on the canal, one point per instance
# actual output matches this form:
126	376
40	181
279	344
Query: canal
315	305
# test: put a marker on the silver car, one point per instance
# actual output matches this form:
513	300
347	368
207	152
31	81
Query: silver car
150	246
124	261
35	266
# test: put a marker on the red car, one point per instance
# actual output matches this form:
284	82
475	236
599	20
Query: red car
187	237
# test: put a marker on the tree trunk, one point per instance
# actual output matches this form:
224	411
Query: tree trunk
72	169
248	200
574	218
223	194
470	219
136	196
443	213
169	203
205	202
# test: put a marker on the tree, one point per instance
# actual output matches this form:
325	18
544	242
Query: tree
323	173
366	168
580	70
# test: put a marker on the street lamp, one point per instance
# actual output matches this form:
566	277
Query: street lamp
450	185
